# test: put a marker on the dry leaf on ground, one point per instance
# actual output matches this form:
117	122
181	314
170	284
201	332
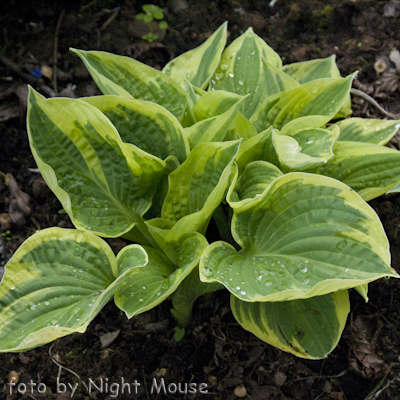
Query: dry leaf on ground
362	338
18	208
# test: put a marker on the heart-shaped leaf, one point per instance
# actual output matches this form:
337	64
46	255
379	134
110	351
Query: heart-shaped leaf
307	328
104	185
55	284
304	236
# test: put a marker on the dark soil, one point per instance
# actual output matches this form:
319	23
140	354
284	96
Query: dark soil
215	351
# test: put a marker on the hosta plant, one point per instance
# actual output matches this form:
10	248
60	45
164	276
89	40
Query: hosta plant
225	170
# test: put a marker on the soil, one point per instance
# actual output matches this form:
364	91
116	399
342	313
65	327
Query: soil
216	354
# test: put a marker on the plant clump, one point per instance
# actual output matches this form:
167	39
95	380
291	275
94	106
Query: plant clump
229	134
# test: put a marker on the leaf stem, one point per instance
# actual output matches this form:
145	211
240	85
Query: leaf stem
144	230
223	226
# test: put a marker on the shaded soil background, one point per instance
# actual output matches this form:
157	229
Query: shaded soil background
215	350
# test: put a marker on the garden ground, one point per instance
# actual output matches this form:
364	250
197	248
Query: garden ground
215	351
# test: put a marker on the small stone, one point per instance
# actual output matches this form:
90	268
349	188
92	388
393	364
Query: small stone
240	391
13	377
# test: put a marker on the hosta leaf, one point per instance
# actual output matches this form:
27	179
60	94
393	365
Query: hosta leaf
103	184
306	71
395	189
323	97
147	286
198	186
375	131
213	129
255	178
369	169
136	80
190	90
258	147
241	127
307	149
146	125
233	74
298	124
217	102
317	142
304	150
214	103
188	291
305	236
275	80
309	328
198	65
55	284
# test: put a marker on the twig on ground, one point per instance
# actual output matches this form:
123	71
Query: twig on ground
371	100
111	18
60	367
55	54
31	79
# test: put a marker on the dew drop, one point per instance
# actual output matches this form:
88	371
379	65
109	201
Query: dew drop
341	245
78	319
144	287
231	75
242	292
141	299
310	140
268	283
237	287
47	303
12	287
132	294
